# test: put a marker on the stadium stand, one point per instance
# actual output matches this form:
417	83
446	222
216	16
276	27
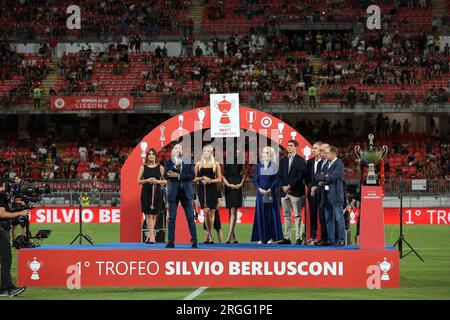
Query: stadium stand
43	19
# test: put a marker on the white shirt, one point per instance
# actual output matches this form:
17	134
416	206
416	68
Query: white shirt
331	163
316	162
291	160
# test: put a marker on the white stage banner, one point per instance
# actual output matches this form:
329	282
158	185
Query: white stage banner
225	120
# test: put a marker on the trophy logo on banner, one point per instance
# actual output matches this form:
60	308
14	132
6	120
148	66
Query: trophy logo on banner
280	132
293	135
34	266
385	267
180	129
250	117
201	113
307	152
143	146
224	110
162	138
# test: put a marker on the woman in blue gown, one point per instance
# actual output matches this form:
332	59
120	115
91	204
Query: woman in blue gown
267	222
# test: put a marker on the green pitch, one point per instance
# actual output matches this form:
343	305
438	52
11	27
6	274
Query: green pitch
418	280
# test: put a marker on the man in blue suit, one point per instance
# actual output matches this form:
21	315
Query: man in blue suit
317	190
180	174
334	198
313	165
292	175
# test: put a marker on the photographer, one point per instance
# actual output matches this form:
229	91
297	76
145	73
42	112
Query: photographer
18	201
7	288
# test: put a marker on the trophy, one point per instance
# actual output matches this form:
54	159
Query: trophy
162	138
34	266
143	146
371	156
201	115
293	134
280	131
251	117
180	124
307	152
385	267
224	107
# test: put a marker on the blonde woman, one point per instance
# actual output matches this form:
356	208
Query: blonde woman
208	175
267	222
151	177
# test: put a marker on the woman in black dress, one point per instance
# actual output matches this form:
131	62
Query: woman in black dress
208	174
233	179
151	178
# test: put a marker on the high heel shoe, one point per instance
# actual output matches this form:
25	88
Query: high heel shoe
235	242
228	242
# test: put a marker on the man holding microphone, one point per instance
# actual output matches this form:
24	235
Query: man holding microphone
180	175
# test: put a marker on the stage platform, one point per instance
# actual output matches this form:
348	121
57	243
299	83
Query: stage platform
201	246
212	265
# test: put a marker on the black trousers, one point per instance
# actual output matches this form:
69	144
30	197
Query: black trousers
313	211
5	260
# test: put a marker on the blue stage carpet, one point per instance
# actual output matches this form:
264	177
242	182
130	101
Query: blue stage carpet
218	246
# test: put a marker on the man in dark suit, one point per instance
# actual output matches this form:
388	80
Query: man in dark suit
292	176
318	189
334	198
313	165
180	174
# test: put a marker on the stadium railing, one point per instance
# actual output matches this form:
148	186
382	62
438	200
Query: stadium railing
107	193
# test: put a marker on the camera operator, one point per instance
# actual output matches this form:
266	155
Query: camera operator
19	201
7	288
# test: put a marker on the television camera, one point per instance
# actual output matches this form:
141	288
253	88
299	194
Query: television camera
25	196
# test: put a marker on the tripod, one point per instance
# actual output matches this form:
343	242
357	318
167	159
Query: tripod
84	201
401	237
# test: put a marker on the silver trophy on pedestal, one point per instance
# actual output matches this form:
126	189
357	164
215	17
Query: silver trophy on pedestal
371	156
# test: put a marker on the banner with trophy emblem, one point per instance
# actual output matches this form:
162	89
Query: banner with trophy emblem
224	115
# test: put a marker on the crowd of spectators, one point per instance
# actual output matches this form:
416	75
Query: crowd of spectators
100	19
411	155
265	14
76	161
258	66
20	73
364	69
267	68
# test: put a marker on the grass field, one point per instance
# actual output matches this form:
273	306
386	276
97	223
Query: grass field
418	280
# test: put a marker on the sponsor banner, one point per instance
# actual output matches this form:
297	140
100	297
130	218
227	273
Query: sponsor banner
435	216
72	215
203	267
91	103
225	120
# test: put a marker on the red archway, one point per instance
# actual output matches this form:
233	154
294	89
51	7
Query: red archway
130	208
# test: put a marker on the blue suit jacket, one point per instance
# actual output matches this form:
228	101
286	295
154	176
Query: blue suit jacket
310	173
187	175
334	179
295	178
322	168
